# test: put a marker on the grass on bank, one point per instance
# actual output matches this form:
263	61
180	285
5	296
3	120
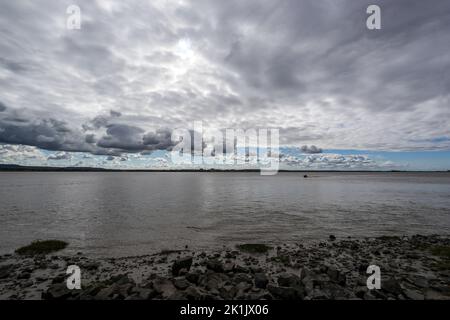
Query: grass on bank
42	247
441	251
253	247
444	253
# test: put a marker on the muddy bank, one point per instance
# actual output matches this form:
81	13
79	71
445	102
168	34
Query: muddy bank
416	267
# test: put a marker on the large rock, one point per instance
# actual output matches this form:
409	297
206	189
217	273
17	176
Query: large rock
289	280
144	293
183	263
106	293
192	277
5	271
318	294
181	283
413	295
336	276
193	293
242	277
164	287
308	284
57	292
242	288
391	285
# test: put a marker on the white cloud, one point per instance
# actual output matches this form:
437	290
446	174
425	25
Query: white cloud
232	64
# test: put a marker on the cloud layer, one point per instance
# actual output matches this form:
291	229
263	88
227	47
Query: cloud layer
135	71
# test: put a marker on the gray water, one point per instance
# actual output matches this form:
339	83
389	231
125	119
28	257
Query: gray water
122	214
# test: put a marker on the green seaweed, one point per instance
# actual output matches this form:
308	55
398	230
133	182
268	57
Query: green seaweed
42	247
441	251
253	247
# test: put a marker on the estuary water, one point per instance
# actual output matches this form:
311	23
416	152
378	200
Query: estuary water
133	213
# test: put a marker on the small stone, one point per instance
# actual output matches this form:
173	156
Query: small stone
183	263
212	284
336	276
369	296
58	279
242	277
413	295
121	279
106	293
183	272
181	283
124	290
57	292
193	293
215	265
283	293
5	271
28	283
332	237
434	295
228	292
228	267
391	285
240	269
91	266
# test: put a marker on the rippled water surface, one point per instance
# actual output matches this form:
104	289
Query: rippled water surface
119	214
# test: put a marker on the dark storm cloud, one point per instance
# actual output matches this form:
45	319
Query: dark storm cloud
50	134
160	139
55	135
12	65
2	107
123	137
310	149
101	121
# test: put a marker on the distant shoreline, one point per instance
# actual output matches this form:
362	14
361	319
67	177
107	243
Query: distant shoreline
19	168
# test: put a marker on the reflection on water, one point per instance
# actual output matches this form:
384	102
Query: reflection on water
136	213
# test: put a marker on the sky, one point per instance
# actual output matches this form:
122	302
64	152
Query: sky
110	93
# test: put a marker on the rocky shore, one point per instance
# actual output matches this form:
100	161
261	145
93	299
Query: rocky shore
416	267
